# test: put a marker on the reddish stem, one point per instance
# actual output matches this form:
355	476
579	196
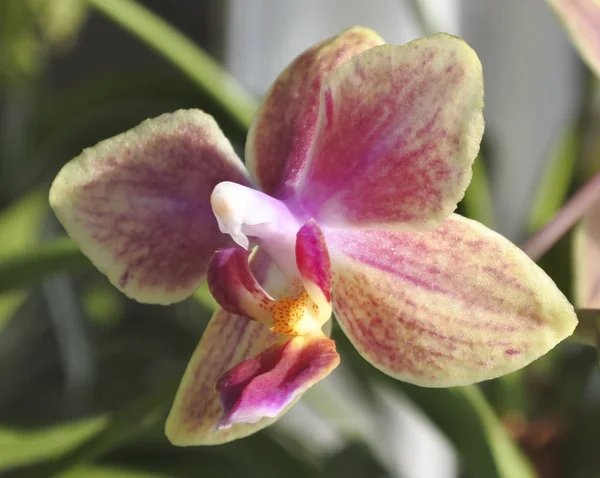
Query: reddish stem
538	244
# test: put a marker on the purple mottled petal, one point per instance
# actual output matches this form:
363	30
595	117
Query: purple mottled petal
586	260
582	21
266	384
314	264
234	287
399	128
450	306
283	128
138	204
228	340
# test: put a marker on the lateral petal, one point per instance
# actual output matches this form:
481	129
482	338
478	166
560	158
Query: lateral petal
451	306
138	204
283	128
266	384
399	128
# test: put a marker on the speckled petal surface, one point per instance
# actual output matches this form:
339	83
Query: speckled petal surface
398	130
582	21
266	384
451	306
138	204
586	260
283	128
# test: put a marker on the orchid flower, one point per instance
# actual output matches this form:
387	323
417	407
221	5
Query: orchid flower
581	19
355	162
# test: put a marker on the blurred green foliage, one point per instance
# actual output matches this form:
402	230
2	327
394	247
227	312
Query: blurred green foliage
87	376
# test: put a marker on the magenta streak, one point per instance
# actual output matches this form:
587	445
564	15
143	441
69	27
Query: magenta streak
312	257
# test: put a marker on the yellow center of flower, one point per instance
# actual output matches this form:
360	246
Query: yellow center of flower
295	316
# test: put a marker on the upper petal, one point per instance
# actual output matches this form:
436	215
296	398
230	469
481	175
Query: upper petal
582	20
586	260
138	203
284	126
398	130
450	306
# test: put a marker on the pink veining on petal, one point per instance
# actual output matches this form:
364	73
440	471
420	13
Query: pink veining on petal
232	284
450	306
138	203
398	130
283	129
312	257
264	385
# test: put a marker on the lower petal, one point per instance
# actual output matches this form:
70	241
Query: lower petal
451	306
228	340
266	384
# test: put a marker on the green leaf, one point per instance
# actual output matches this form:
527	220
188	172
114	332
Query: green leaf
33	265
132	421
20	230
21	448
460	413
466	418
183	54
477	202
556	178
354	459
107	472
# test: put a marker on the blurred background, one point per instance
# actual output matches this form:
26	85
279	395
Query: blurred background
87	376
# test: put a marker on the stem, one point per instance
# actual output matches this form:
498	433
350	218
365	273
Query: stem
182	53
538	244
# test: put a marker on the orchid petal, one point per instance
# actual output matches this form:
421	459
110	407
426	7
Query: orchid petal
451	306
234	287
582	21
314	264
399	128
266	384
586	260
282	130
138	204
228	340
